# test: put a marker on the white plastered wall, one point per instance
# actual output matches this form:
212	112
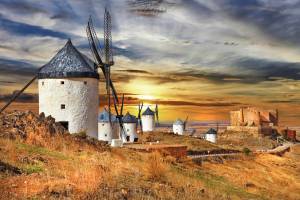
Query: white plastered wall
148	123
211	138
178	129
80	97
130	130
106	133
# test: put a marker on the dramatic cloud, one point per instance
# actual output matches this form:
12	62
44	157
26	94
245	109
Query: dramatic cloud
172	50
25	97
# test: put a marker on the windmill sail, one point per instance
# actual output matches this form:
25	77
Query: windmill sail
97	54
140	107
18	94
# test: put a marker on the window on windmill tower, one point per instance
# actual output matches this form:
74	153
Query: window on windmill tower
85	82
62	106
42	82
62	82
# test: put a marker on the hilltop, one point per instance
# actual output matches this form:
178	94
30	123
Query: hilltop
40	160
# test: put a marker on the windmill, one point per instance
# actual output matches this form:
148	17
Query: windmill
185	122
106	52
156	115
139	116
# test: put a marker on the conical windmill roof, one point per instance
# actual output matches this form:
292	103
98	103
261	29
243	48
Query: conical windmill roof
178	122
128	118
211	131
104	116
148	111
68	62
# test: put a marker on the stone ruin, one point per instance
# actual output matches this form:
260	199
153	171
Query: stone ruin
254	121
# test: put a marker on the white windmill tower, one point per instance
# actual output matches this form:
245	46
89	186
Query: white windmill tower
179	126
68	91
130	128
148	120
211	135
108	128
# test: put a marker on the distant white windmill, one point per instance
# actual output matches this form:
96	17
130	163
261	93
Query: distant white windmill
179	126
130	128
148	120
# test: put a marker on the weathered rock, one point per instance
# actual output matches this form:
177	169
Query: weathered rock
7	168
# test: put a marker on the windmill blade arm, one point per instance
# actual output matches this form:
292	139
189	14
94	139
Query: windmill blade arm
114	92
141	125
91	38
18	94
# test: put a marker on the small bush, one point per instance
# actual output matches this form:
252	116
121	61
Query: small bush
246	151
81	134
30	169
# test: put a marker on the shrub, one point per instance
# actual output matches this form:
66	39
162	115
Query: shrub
246	151
156	168
81	134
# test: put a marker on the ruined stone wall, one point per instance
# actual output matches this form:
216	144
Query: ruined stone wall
235	118
253	117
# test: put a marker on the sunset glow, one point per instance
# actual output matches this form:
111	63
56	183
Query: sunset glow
211	58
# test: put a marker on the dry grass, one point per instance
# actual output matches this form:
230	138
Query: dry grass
193	144
155	167
271	176
60	168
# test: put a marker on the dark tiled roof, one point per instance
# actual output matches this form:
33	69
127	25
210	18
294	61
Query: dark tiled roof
104	117
148	111
178	122
68	62
128	118
211	131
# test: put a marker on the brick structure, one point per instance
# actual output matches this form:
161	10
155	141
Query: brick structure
253	120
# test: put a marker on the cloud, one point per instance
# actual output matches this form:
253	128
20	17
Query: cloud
27	30
278	19
21	6
24	97
135	71
15	67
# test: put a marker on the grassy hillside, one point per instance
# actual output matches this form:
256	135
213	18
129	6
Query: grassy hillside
40	165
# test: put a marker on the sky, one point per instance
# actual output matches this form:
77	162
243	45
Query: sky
193	57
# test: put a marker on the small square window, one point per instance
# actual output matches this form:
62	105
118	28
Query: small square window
62	106
102	124
43	83
105	135
85	82
62	82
